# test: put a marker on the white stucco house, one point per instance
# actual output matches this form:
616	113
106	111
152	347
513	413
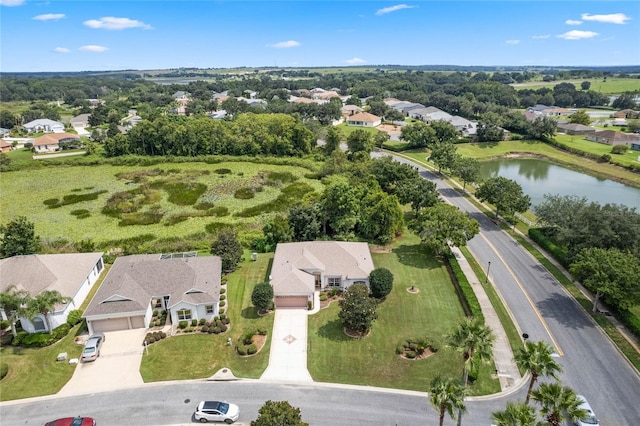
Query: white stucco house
73	275
300	269
187	287
44	125
364	119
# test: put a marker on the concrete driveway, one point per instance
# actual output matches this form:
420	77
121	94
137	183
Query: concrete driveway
117	367
288	357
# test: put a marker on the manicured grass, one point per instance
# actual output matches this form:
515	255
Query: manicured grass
579	142
433	312
347	130
35	371
24	192
612	85
197	355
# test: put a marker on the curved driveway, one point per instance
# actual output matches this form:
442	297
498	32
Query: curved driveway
542	308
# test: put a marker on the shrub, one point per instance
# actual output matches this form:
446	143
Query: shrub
223	290
410	354
150	340
222	328
17	340
244	194
155	313
4	370
225	320
252	349
619	149
222	317
539	235
241	350
202	321
309	305
183	324
215	330
261	296
469	296
59	332
261	331
221	311
399	350
36	340
222	171
247	339
223	297
381	282
194	322
188	330
604	158
323	297
74	317
204	329
222	303
163	335
4	324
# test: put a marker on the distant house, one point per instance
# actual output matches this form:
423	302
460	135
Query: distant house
556	112
51	142
635	146
181	95
530	115
626	113
72	275
4	132
218	115
187	288
406	107
364	119
81	121
349	110
611	137
44	125
300	269
575	129
5	146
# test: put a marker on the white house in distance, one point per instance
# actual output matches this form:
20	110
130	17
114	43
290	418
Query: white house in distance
44	125
73	275
363	119
300	269
187	287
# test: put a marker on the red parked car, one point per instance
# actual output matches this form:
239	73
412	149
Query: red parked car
73	421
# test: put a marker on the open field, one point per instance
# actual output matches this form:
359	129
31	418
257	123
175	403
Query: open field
432	313
613	85
96	202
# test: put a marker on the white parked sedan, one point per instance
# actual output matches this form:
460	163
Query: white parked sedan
590	419
217	411
91	350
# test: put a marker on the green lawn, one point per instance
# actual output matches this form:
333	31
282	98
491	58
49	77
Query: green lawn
433	312
347	130
35	371
612	85
195	356
579	142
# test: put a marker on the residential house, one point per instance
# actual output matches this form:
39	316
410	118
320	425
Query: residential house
80	121
44	125
635	146
4	132
180	96
51	141
626	113
611	137
575	129
349	110
406	107
187	287
5	146
556	112
300	269
218	115
530	115
72	275
363	119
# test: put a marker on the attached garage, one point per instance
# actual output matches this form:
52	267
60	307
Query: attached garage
116	324
291	301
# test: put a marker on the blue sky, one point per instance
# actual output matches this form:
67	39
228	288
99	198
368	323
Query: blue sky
90	35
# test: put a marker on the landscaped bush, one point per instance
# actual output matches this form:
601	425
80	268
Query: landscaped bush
619	149
223	290
410	355
261	331
469	297
252	349
225	320
204	329
74	317
222	303
222	317
215	330
222	328
202	321
244	194
538	235
323	297
4	324
242	350
247	339
223	297
183	324
194	322
4	370
39	340
188	329
17	340
221	311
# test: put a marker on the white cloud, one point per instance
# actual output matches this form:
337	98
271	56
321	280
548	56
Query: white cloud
49	17
61	50
393	9
111	23
513	42
538	37
93	48
612	18
577	35
285	44
11	2
572	22
355	61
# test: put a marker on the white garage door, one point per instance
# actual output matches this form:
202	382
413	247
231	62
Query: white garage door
113	324
137	322
291	301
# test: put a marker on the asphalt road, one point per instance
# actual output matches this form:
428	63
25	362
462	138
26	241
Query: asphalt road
542	308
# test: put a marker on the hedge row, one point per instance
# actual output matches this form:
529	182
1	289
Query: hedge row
39	340
630	320
470	299
558	253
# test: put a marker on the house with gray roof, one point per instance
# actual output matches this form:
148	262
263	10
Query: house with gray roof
72	275
300	269
44	125
575	129
611	137
187	288
81	121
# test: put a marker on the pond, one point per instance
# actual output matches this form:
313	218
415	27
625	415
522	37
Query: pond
538	177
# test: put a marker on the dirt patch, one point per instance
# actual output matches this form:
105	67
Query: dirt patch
259	340
325	303
379	249
356	334
426	354
390	129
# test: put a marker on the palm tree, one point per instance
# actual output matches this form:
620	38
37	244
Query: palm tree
474	341
556	399
44	303
13	302
516	414
536	358
446	396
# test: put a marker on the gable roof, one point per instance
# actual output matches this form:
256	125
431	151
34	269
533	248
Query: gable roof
134	280
294	264
54	138
43	122
36	273
612	135
364	116
575	127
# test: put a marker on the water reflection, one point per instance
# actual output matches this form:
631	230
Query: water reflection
538	177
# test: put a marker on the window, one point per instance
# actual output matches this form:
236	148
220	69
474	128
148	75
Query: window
334	281
184	314
209	309
38	324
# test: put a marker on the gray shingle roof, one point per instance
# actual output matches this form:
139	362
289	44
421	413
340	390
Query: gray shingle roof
134	280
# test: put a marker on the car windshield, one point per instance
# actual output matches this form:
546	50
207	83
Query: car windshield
89	350
223	407
589	419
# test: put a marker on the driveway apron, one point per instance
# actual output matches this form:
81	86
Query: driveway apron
288	357
117	367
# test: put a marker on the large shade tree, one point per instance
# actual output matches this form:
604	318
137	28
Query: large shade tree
228	248
357	309
446	396
537	359
505	194
18	237
443	224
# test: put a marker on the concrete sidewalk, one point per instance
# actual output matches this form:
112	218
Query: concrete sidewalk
507	371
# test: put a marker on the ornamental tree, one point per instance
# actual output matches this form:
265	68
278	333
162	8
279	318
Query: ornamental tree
357	309
380	282
262	296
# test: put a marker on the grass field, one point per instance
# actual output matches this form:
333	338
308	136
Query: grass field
432	313
194	356
90	188
613	85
